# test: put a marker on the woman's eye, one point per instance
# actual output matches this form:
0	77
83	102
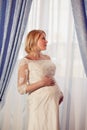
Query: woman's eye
43	38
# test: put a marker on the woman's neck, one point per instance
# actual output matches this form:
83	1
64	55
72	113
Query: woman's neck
35	56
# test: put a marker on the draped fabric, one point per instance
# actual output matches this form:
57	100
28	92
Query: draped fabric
13	19
80	17
56	18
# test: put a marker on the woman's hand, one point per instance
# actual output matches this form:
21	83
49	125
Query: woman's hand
48	81
61	99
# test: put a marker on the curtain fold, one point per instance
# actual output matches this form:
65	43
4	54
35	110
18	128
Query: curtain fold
56	18
13	20
79	8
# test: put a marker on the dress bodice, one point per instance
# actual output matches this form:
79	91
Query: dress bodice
32	71
39	69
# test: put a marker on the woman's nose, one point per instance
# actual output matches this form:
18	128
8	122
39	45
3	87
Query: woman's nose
46	41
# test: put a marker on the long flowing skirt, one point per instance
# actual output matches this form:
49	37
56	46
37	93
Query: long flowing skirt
43	107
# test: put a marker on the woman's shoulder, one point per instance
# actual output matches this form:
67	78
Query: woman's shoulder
47	57
23	61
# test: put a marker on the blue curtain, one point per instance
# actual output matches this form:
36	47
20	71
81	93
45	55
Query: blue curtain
79	8
13	20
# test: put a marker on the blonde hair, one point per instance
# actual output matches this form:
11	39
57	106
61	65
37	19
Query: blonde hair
31	41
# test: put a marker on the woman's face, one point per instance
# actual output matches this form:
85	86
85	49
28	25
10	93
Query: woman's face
42	42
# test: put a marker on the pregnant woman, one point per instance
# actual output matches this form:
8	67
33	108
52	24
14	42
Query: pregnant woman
36	79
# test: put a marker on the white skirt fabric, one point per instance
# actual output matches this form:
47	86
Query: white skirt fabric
43	105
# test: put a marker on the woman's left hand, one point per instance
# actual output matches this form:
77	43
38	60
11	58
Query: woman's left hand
61	99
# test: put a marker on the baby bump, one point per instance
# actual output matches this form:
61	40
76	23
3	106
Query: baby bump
44	94
45	91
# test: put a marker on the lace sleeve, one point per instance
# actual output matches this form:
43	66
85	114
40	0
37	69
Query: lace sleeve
23	77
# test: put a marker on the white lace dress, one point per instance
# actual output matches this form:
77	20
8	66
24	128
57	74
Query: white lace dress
43	103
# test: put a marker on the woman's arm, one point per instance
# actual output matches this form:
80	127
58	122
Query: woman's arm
45	81
23	80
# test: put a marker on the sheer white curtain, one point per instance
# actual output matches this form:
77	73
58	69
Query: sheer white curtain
54	17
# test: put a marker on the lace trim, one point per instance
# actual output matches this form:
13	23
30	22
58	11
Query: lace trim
22	89
23	78
23	62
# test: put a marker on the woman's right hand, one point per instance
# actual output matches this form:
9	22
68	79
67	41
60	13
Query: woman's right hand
48	81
